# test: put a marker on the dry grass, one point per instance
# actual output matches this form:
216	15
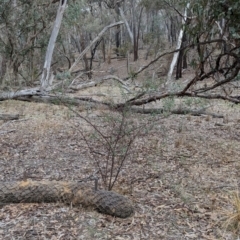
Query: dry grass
232	217
179	179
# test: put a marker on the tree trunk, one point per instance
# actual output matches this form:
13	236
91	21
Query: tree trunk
103	47
118	30
136	33
3	68
46	75
179	43
182	59
85	60
118	39
127	25
94	41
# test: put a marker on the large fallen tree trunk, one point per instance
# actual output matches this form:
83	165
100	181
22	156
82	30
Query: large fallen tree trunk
178	111
7	117
75	193
89	102
20	93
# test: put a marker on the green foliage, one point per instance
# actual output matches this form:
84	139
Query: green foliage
124	49
205	13
75	13
151	84
23	35
237	78
190	102
63	75
168	105
157	4
132	73
214	28
148	38
229	10
78	14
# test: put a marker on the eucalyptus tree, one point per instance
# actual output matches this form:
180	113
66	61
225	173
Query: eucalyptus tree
83	22
24	26
215	31
47	75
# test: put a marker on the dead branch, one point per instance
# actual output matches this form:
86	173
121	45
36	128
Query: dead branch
59	99
88	102
9	131
233	99
178	111
170	52
154	98
93	42
16	94
99	81
7	117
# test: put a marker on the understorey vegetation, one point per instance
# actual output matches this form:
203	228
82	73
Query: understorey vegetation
140	97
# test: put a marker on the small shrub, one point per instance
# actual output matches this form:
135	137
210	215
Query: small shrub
110	143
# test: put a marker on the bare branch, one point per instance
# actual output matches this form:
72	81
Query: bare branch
99	81
93	42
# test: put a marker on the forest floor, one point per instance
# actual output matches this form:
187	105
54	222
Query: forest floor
181	180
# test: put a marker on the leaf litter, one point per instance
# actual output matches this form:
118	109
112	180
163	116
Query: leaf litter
179	180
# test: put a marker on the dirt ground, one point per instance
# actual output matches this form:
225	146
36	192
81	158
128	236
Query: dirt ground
185	171
181	180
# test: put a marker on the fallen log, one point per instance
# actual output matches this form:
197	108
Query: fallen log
179	111
15	94
7	117
75	193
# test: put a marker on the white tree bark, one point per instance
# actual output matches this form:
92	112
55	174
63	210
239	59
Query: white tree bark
91	44
46	76
20	93
127	25
179	42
